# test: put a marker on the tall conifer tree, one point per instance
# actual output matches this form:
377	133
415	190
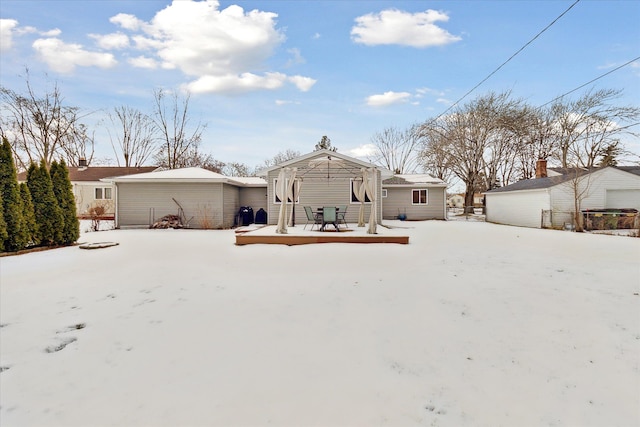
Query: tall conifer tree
29	215
16	238
47	212
3	228
64	194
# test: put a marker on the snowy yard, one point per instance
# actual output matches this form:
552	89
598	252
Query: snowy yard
471	324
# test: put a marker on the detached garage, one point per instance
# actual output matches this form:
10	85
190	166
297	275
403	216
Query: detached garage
202	198
550	201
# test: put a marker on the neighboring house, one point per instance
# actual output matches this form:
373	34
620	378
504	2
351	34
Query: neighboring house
204	199
88	189
548	201
456	201
414	197
324	178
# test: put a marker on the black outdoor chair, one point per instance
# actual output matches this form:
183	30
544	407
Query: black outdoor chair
312	218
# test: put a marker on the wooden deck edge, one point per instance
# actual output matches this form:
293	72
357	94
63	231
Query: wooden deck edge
248	239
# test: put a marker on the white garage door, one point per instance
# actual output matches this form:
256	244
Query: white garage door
622	199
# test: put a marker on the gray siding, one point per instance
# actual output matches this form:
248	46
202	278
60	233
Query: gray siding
399	200
140	204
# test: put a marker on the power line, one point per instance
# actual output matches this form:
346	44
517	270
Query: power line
505	62
590	81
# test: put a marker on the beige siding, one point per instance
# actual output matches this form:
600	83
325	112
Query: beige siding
318	192
231	197
521	208
143	203
84	194
399	200
254	197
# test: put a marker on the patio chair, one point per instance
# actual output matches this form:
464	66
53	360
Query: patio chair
342	212
312	218
329	216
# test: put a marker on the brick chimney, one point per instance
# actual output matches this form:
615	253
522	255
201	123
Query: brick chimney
82	162
541	168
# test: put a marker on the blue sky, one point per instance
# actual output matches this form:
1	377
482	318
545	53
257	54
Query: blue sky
267	76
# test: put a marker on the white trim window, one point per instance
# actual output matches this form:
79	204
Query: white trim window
296	192
102	193
419	196
354	199
383	192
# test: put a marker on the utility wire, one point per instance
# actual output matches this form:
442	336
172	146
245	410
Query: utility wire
590	81
505	62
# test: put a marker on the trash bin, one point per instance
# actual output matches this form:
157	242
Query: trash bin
261	216
246	215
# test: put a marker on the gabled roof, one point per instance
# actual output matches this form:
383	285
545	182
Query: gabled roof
413	180
190	175
325	153
551	181
96	173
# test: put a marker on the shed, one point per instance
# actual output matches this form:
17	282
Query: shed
550	201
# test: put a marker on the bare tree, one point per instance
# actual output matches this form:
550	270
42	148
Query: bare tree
397	150
134	136
40	126
236	169
324	144
178	140
281	157
473	140
586	127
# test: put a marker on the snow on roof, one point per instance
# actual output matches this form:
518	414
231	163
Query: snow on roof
413	179
184	175
250	181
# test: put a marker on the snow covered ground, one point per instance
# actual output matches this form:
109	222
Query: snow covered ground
471	324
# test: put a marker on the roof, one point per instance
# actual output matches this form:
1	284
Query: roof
551	181
327	154
96	173
189	175
413	180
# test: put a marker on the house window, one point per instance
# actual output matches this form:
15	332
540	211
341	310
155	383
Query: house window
354	199
103	193
419	197
384	192
296	192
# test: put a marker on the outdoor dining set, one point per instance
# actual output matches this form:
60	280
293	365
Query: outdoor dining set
326	215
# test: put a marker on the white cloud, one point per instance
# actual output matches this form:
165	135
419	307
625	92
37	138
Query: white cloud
6	33
388	98
111	41
234	84
224	50
127	21
144	62
280	102
51	33
65	57
302	83
363	151
296	57
398	27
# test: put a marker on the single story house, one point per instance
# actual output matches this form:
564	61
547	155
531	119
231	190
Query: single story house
549	201
90	190
206	199
414	197
202	198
